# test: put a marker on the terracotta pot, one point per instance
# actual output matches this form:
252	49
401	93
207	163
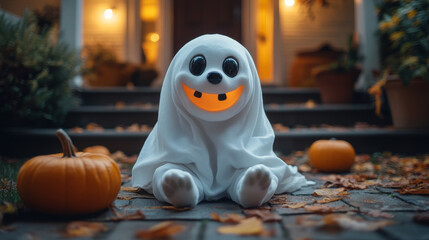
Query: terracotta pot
336	87
409	105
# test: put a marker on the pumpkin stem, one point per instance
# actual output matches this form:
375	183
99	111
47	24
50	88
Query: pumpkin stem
66	143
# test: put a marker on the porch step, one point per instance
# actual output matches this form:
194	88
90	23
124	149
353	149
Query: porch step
112	95
26	142
290	115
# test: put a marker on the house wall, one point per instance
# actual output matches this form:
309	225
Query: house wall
333	24
108	32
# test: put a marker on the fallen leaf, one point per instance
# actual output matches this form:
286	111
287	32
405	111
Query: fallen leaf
249	226
278	199
228	217
294	205
83	229
131	189
348	222
162	230
328	192
378	214
263	214
342	221
422	218
352	181
127	216
319	208
304	168
172	208
327	200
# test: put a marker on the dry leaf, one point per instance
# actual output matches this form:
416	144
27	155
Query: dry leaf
172	208
249	226
294	205
356	224
378	214
127	216
327	200
84	229
278	199
353	181
263	214
161	230
422	218
327	192
319	208
131	189
228	217
304	168
342	221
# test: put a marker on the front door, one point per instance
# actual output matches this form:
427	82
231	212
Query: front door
193	18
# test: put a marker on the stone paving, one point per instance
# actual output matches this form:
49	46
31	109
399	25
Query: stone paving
296	223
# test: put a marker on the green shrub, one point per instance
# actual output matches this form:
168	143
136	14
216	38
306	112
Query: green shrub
35	74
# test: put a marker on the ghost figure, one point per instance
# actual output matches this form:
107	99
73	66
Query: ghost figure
212	138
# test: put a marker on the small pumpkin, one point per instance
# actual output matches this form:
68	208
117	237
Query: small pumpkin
69	183
331	155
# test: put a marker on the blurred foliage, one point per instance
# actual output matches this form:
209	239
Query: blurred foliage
8	172
48	17
347	61
404	37
35	73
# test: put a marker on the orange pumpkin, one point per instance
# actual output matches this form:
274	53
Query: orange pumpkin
331	155
69	183
97	149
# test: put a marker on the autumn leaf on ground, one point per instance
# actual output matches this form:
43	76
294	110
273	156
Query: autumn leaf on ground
127	216
228	217
278	199
249	226
294	205
378	214
171	208
161	230
319	208
349	181
327	200
263	214
131	189
328	192
417	187
348	222
422	218
83	229
341	221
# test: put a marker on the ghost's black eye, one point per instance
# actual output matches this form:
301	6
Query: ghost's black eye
197	65
230	67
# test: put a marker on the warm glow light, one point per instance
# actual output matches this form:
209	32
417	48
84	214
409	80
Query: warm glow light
108	13
289	3
154	37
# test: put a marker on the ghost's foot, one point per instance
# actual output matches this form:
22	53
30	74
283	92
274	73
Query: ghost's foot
179	188
254	185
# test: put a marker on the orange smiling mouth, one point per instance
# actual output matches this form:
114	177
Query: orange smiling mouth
213	102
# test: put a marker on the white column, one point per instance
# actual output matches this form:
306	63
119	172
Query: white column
133	32
71	27
164	26
366	27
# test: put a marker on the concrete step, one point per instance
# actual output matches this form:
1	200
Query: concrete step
112	95
290	115
25	142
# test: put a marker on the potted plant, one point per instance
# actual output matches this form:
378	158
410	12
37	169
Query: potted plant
336	80
35	73
404	33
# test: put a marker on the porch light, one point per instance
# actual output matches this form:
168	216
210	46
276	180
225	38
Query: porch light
108	13
289	3
154	37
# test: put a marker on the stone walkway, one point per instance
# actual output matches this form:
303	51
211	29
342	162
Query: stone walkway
356	216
